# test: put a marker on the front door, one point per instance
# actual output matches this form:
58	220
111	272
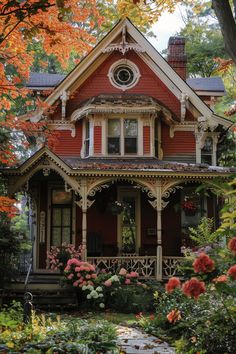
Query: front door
129	221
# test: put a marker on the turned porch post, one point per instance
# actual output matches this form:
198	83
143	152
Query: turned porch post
159	232
84	208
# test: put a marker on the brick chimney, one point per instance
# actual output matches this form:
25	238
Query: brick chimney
176	56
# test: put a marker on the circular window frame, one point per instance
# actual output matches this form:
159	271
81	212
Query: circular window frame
131	66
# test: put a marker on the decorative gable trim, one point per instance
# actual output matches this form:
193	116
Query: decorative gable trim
151	57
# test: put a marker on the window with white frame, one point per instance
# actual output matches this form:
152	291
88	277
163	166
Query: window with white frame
87	138
207	151
122	137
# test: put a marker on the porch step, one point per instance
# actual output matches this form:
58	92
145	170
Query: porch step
59	299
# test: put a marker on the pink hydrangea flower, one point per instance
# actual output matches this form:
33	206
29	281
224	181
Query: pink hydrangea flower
108	283
133	274
127	281
123	271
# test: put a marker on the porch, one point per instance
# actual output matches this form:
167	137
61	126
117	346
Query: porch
144	233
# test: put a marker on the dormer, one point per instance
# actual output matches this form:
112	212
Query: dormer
123	125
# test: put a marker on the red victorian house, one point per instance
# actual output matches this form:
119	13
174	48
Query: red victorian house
136	138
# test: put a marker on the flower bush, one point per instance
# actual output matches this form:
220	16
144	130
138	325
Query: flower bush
57	257
199	316
79	273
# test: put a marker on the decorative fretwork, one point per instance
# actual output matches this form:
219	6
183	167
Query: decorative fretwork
123	46
166	194
171	266
96	189
145	266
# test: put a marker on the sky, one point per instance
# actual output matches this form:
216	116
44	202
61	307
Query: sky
166	27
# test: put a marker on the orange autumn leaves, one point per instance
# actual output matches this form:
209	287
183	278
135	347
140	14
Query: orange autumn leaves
7	206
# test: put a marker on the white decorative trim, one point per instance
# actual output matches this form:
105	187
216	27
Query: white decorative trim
123	46
183	105
62	125
205	123
189	127
129	64
64	97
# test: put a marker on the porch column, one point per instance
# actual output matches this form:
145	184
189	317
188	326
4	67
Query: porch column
159	232
84	207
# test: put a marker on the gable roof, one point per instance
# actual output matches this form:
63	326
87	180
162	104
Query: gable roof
150	56
211	84
44	80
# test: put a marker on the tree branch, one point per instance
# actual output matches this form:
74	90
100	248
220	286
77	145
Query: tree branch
227	23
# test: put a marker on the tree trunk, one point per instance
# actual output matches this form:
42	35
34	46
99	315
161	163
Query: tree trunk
227	23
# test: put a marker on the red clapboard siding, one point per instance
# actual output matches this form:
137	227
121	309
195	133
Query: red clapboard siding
97	139
67	145
182	142
146	140
98	83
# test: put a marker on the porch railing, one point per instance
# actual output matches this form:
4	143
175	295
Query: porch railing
171	266
145	266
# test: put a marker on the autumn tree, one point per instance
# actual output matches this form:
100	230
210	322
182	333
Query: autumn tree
225	11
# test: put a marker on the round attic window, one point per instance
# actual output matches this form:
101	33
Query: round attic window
124	74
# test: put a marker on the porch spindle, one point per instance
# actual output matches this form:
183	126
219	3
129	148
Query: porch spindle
84	234
159	247
159	233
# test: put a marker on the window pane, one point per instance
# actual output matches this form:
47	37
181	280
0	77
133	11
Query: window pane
207	151
66	217
130	145
113	127
56	217
113	146
66	235
56	236
131	127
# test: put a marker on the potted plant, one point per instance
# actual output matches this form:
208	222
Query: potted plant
189	206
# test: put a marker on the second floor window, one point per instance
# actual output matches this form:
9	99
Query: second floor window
122	136
207	150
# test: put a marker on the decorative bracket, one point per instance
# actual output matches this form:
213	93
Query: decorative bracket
123	46
64	97
183	105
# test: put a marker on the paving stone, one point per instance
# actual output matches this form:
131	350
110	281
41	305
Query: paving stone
134	341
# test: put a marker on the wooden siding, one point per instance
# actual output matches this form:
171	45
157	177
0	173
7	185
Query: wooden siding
149	84
97	143
183	142
146	139
67	145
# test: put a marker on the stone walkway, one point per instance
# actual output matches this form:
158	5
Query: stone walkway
134	341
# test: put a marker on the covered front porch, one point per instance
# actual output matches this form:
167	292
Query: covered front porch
136	218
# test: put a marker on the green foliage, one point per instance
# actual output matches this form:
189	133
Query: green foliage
228	216
204	43
202	235
49	335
